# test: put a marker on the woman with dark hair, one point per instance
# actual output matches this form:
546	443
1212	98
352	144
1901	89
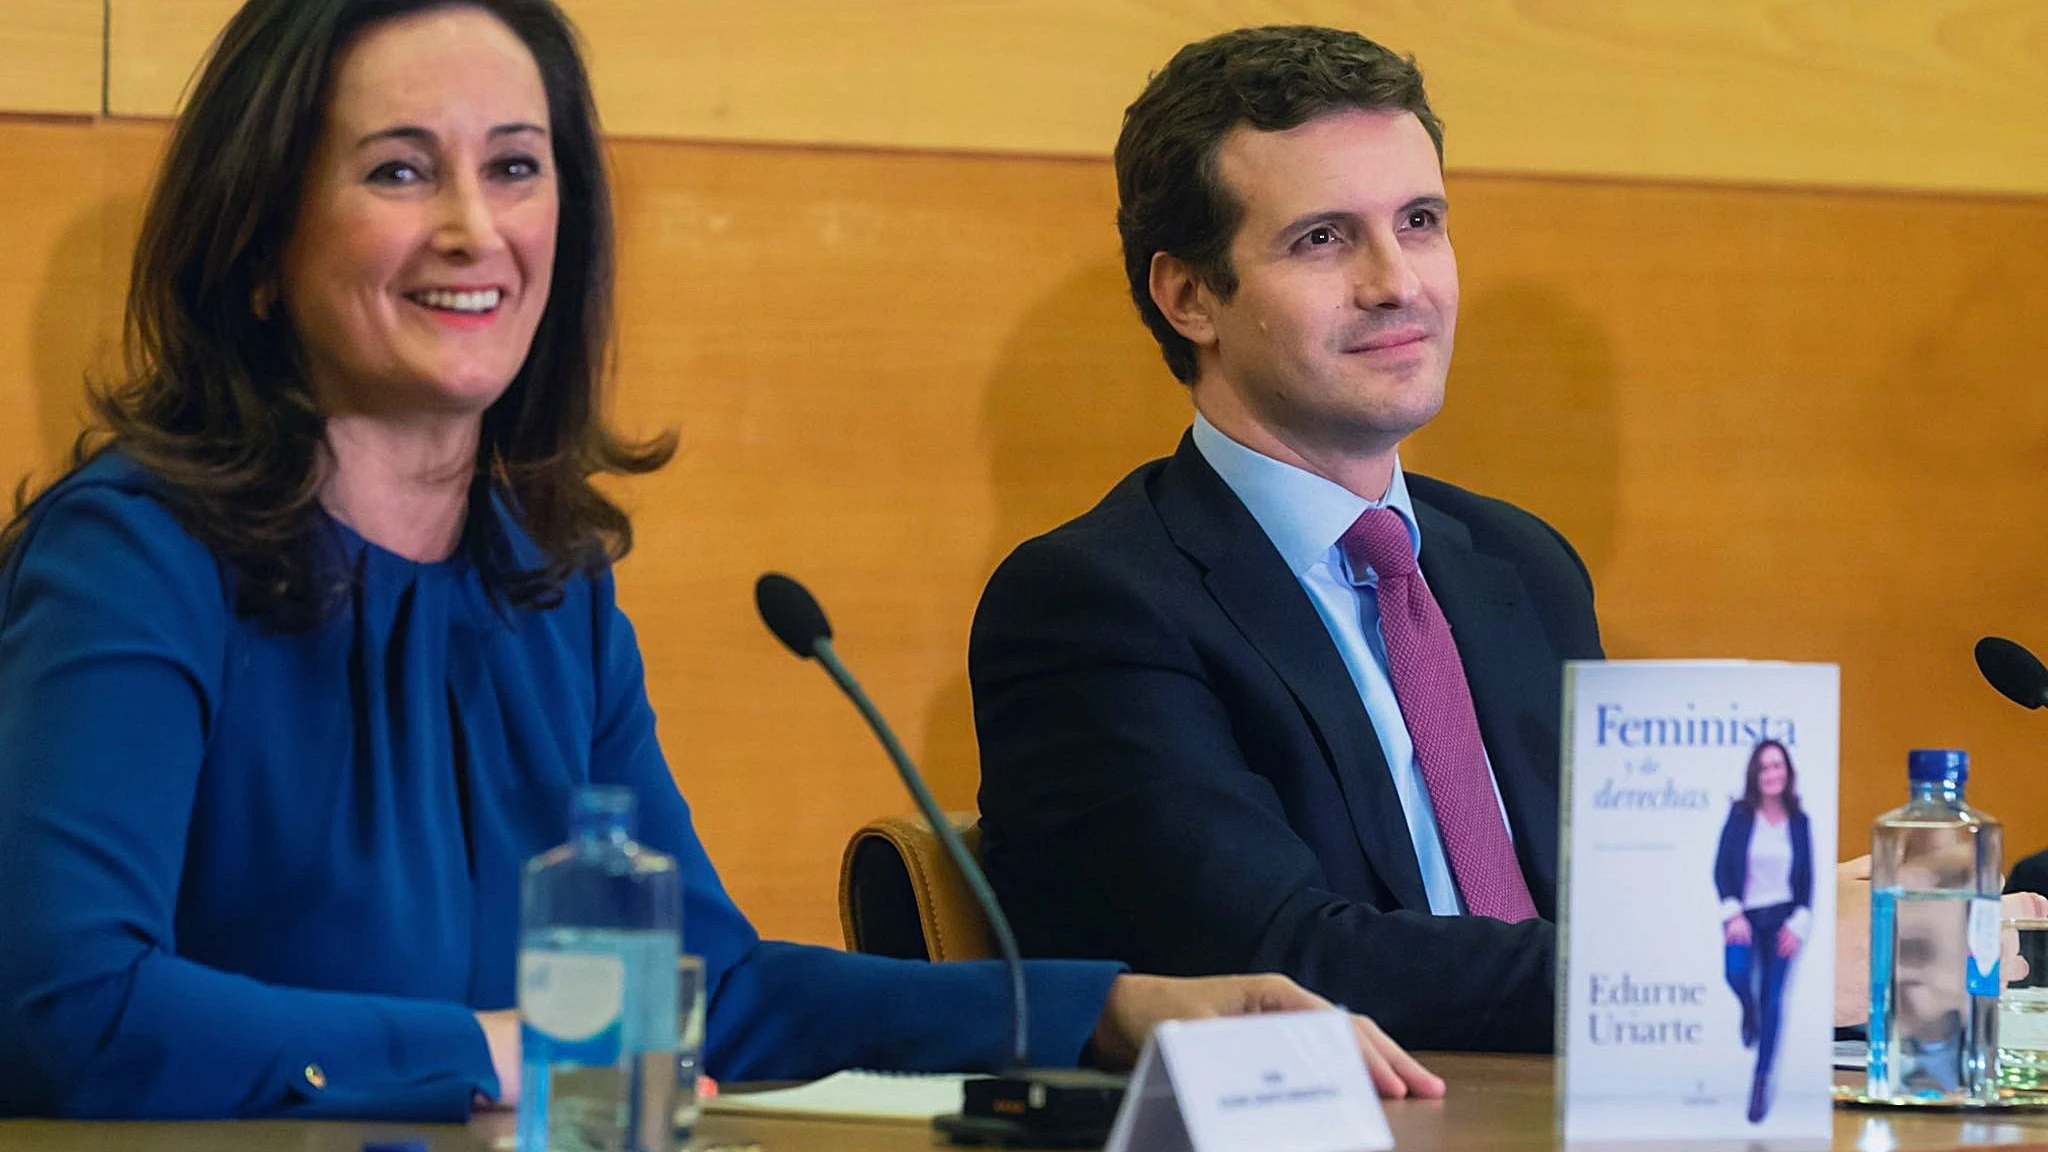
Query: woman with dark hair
303	657
1764	875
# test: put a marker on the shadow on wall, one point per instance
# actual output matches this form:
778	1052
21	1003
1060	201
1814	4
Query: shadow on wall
1963	441
1077	400
1954	394
76	329
1530	418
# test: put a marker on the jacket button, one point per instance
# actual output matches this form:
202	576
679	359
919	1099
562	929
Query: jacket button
316	1076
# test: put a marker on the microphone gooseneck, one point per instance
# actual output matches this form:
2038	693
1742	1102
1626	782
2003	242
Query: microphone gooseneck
794	615
2017	673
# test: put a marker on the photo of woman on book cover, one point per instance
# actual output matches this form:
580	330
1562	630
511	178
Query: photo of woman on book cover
1763	872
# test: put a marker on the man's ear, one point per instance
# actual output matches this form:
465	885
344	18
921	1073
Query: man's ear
1183	299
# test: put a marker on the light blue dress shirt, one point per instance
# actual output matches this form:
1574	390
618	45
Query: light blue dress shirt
1304	515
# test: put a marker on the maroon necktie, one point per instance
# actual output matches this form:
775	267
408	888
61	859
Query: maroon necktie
1429	683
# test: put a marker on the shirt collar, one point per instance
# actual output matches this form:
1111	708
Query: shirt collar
1301	512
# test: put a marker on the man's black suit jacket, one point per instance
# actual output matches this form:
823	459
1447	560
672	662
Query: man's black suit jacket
2030	874
1178	772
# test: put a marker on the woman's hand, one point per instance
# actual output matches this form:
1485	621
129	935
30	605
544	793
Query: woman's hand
1137	1004
1788	942
1735	929
501	1033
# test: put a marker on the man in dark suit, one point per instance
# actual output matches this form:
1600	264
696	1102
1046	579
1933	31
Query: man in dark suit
1224	725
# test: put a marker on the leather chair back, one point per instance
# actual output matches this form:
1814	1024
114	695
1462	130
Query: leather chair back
901	896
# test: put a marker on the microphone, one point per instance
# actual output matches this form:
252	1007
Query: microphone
1025	1106
2014	671
793	614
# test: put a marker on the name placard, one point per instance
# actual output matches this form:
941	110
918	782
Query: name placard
1284	1082
1696	935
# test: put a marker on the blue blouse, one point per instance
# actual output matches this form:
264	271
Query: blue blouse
256	873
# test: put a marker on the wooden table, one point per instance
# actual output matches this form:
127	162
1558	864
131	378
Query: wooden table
1495	1102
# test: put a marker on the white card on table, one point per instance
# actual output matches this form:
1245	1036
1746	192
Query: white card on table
1661	849
1281	1082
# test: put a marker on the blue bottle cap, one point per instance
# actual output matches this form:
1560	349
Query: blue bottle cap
1937	766
601	810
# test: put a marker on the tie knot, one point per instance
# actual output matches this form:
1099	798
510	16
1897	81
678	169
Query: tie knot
1379	539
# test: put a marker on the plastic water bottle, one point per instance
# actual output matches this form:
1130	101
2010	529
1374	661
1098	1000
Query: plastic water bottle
1936	867
600	921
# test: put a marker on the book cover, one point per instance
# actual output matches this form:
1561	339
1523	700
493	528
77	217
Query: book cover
1696	926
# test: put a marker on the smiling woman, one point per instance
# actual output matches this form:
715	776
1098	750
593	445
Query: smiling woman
419	263
1763	872
304	657
333	158
418	267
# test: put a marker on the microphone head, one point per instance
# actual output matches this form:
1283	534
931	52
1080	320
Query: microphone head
792	613
2014	671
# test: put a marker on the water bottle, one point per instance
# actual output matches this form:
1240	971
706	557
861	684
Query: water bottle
600	921
1936	867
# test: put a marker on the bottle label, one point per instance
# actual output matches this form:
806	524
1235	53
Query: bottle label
572	1004
1984	947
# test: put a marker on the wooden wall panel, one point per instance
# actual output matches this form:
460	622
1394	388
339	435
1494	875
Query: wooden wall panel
1779	425
153	49
71	219
1908	93
50	56
1788	424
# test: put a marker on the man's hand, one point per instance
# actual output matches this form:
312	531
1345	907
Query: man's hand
1137	1004
501	1033
1852	938
1735	929
2016	906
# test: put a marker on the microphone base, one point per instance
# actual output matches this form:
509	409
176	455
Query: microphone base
1037	1108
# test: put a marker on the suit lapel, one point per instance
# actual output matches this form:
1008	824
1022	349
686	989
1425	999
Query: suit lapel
1505	659
1252	584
